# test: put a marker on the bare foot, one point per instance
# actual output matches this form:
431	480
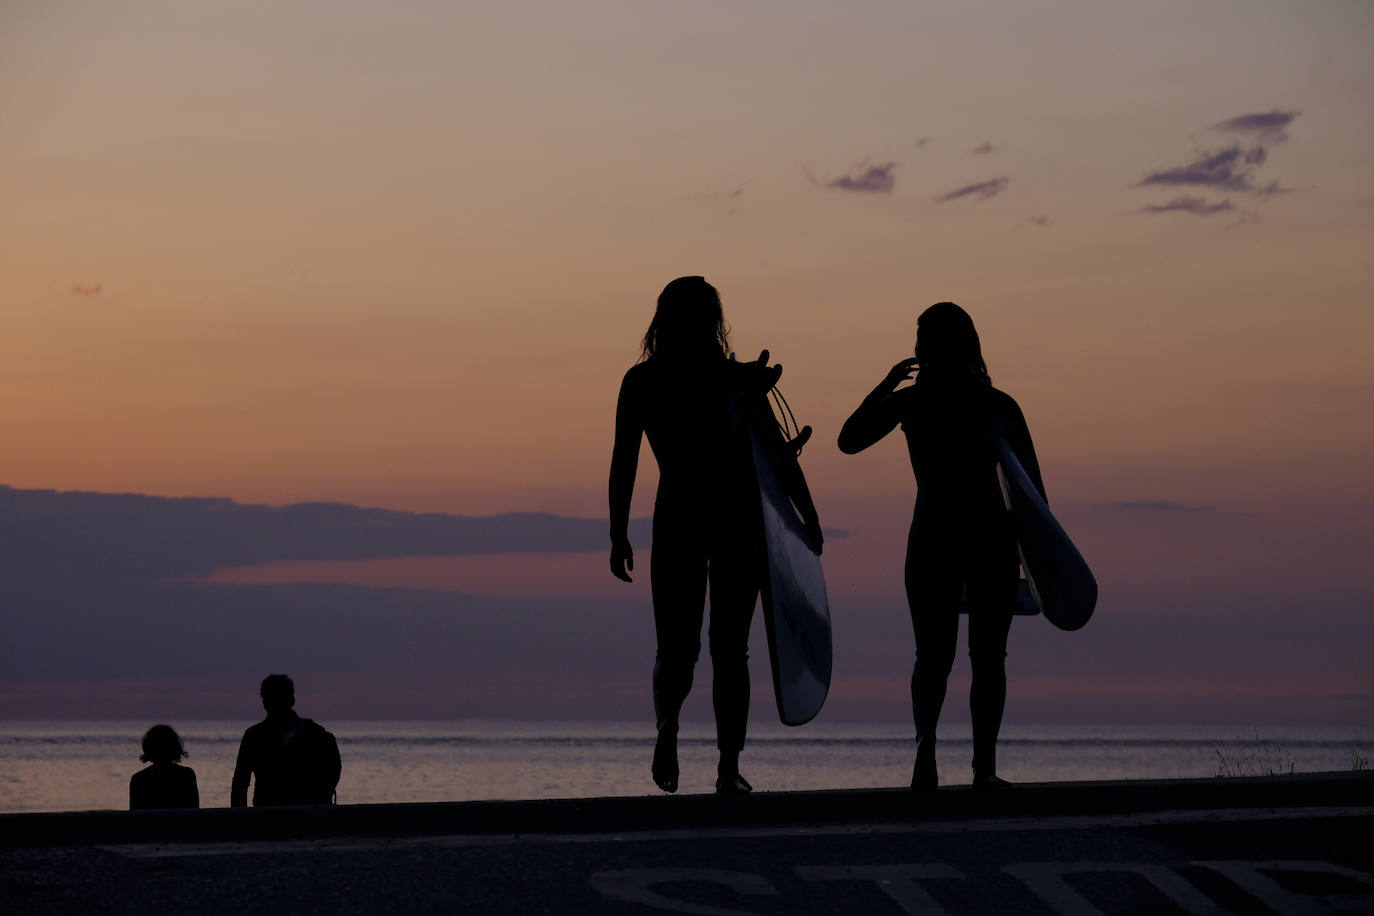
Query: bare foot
665	760
733	785
989	782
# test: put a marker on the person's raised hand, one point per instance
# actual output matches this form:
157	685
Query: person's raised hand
901	372
766	376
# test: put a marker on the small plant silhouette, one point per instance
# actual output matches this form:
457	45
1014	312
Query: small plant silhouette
1256	757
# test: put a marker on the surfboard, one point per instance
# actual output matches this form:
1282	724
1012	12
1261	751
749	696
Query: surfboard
796	611
1059	579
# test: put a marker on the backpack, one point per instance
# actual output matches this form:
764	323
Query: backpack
320	762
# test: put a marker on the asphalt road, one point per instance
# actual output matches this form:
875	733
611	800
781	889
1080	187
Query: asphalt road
1286	845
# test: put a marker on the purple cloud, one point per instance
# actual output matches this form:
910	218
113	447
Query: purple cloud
1198	206
82	289
1233	167
1228	169
873	179
1271	125
980	191
983	149
921	143
1039	220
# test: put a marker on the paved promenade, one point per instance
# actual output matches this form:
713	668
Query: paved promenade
1287	845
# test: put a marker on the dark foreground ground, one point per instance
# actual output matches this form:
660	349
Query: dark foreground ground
1285	845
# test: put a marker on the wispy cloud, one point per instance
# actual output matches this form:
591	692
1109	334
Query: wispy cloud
981	190
1271	188
1159	505
83	289
1228	169
734	194
871	179
729	198
984	149
1198	206
923	142
1271	126
1040	220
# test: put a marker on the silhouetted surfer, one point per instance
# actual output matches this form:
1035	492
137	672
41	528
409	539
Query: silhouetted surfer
686	395
961	549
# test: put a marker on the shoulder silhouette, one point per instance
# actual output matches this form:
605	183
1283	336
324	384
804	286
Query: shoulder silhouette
164	783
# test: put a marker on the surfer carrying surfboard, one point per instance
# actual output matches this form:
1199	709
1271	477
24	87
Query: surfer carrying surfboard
962	550
680	395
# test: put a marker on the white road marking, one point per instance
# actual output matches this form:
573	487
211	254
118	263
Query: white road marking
899	882
1247	876
975	825
1046	881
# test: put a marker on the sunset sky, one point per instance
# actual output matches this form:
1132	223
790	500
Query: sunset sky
399	256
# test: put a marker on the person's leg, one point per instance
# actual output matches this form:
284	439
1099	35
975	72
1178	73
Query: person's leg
992	596
932	597
987	652
734	594
677	582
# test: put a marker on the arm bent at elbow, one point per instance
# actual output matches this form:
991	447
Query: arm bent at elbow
876	416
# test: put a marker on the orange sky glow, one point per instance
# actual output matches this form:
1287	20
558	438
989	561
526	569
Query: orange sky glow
401	257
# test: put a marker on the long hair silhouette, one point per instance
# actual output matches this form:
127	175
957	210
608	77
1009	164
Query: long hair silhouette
947	344
688	322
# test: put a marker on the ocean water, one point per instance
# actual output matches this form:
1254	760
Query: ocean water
79	766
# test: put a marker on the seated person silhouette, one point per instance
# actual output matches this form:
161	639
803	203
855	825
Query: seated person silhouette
163	783
291	760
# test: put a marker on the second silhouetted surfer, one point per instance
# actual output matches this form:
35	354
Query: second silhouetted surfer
961	550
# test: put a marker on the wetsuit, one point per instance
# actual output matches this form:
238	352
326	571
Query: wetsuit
702	524
961	550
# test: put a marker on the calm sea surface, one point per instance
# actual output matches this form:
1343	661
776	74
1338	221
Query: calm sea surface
76	766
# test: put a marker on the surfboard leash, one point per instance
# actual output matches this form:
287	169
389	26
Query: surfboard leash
788	424
782	416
